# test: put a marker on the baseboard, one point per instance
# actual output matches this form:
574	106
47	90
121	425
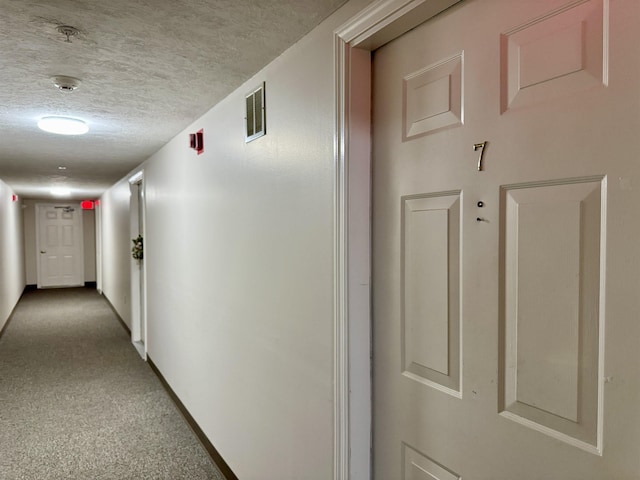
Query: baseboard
13	310
213	453
124	325
30	288
208	446
6	324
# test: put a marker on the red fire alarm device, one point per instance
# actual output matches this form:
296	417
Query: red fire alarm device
87	204
196	141
14	198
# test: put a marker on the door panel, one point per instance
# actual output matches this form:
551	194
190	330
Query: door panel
505	343
431	290
551	350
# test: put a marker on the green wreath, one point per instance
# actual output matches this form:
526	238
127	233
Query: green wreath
137	251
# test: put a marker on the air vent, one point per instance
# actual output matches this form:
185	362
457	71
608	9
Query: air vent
255	114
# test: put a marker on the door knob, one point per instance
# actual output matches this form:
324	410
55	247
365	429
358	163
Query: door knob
42	251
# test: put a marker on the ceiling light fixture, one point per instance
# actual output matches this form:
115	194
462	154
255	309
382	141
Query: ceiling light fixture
60	192
63	125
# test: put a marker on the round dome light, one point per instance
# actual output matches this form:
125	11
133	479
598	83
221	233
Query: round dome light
63	125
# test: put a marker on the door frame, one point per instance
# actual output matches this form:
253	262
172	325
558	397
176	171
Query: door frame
98	213
354	41
138	271
76	206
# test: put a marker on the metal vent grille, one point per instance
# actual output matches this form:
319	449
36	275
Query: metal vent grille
255	114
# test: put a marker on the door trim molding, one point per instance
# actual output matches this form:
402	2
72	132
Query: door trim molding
354	41
138	273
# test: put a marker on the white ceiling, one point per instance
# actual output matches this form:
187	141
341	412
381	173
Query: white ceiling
148	68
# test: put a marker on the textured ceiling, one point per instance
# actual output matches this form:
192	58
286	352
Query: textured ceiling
148	68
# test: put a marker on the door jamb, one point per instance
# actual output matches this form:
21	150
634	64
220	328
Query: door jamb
98	214
138	272
354	41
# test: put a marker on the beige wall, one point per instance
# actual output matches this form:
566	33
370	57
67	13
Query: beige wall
12	276
89	234
239	258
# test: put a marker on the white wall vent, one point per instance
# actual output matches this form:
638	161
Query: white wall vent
255	114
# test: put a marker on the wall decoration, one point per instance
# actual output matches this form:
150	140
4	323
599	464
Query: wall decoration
137	251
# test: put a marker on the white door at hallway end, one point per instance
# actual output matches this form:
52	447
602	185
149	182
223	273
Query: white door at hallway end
59	244
505	233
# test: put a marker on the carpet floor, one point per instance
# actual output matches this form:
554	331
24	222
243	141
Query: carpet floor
77	401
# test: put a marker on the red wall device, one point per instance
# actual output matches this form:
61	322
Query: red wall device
196	141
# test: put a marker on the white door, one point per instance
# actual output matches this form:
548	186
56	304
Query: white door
505	301
60	247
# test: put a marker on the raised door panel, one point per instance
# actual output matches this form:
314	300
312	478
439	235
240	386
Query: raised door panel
551	351
555	55
68	236
51	236
431	290
432	97
420	467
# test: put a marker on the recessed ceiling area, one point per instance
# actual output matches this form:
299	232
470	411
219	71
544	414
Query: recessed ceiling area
137	72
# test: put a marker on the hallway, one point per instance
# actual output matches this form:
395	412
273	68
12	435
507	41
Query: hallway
77	402
409	238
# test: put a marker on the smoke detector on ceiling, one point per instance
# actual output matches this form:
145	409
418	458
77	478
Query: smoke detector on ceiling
66	84
68	31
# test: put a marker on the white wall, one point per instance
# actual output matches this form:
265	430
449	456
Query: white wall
30	255
12	274
239	256
116	249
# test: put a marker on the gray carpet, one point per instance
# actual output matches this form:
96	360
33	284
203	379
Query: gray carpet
77	402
